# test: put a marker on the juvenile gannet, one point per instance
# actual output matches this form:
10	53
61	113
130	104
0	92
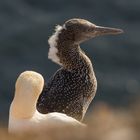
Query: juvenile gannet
71	89
23	116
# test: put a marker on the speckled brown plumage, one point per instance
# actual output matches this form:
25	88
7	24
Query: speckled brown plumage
72	88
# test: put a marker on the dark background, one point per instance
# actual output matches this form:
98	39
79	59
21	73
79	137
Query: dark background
25	26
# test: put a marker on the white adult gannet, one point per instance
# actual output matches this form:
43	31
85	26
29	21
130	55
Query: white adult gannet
23	116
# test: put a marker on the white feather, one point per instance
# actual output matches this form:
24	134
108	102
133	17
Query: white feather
53	45
23	116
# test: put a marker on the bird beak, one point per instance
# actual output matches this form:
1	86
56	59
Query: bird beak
106	30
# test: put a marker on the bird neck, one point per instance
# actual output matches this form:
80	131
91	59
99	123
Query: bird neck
72	57
23	107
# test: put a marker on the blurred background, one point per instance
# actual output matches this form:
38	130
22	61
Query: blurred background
25	26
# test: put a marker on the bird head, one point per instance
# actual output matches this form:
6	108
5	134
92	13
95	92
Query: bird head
29	84
80	30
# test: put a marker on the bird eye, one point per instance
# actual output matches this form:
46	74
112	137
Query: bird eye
90	29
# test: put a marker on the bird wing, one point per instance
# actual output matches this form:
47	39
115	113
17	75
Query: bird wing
61	94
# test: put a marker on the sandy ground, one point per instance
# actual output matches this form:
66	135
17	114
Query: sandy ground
105	123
